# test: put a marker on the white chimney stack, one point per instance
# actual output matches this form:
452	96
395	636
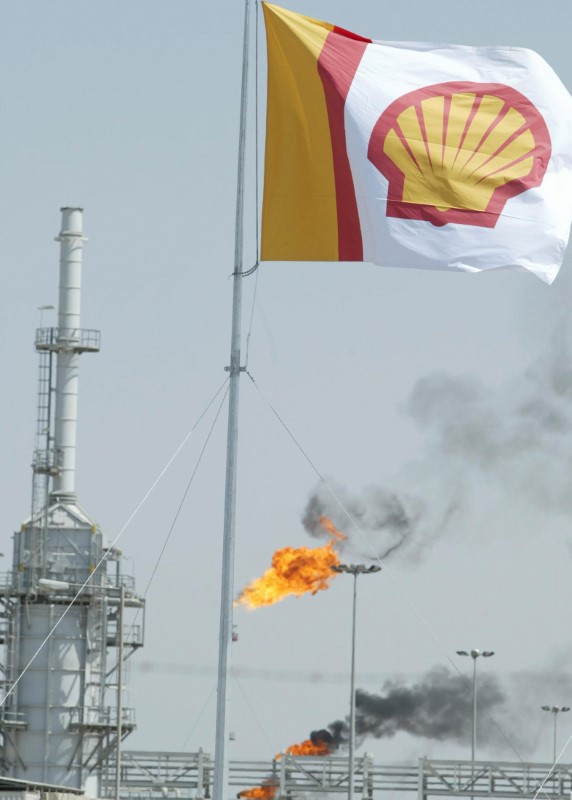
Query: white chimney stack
68	347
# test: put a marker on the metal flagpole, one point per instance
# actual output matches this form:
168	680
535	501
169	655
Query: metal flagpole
220	782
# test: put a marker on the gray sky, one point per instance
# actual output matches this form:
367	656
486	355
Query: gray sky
439	386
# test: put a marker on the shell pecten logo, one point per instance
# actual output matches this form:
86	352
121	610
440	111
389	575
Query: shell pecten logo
457	151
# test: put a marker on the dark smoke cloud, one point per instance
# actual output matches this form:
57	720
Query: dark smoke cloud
517	435
438	707
385	521
322	737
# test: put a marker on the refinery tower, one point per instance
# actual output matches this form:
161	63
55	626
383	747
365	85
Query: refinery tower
69	616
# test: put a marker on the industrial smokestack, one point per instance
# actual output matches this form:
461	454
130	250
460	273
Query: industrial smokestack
68	345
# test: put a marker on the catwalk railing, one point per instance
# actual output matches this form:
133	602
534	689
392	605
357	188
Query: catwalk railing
148	774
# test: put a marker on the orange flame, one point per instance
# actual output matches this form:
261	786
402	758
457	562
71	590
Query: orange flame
265	792
294	570
309	748
327	523
320	743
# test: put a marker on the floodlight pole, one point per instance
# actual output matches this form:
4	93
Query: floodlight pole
474	736
474	654
355	570
555	710
220	778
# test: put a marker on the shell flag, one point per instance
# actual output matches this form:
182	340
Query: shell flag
413	155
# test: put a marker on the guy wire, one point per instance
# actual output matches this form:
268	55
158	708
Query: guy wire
106	555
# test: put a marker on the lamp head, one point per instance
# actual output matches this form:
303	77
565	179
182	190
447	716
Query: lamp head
355	569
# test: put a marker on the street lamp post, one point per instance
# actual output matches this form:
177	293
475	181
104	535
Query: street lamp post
355	570
555	710
474	654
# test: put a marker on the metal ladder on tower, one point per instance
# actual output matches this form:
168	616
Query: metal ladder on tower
44	464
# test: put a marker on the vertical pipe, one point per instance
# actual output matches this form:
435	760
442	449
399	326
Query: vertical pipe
353	697
51	668
555	713
282	785
474	733
119	693
220	783
474	736
200	775
421	780
71	242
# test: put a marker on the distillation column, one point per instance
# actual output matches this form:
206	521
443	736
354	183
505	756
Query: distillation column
58	721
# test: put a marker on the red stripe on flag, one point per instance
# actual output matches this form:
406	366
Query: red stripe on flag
349	35
337	66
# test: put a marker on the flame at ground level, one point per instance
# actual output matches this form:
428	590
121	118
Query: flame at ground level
294	570
265	792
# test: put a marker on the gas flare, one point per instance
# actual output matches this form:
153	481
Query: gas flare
265	792
329	526
294	570
320	743
308	748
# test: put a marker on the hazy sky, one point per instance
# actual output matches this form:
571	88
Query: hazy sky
454	391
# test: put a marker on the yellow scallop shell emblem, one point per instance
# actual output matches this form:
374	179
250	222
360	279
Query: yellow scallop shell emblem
456	152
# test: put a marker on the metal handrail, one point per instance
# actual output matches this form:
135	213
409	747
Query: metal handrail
166	774
76	338
87	716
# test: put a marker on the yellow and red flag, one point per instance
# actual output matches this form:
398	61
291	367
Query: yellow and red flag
413	155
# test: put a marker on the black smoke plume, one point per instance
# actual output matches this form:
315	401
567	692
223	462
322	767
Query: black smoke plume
438	707
322	737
